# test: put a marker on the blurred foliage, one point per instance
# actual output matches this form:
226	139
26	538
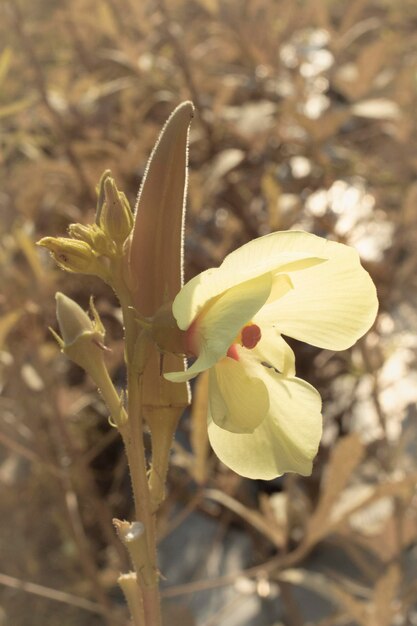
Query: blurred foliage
305	119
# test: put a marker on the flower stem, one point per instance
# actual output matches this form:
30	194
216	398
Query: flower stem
110	396
131	430
146	567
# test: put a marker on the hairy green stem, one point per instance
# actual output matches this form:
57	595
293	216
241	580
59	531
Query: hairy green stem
132	434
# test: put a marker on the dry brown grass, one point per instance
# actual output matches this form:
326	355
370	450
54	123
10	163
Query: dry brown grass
306	118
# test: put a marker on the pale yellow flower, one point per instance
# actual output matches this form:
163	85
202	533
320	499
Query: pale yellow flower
263	420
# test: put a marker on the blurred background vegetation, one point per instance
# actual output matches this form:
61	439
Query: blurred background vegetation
305	119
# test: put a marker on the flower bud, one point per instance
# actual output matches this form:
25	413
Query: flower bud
116	217
93	236
101	195
82	342
75	256
74	322
81	232
82	338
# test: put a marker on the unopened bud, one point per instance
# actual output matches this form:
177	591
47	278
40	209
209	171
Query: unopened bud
101	195
81	232
116	218
82	338
93	236
75	256
74	322
82	341
72	319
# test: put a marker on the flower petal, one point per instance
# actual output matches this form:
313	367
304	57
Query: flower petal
219	326
277	252
332	304
286	440
238	402
273	351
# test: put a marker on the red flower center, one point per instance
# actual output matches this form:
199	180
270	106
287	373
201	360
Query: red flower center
251	334
249	337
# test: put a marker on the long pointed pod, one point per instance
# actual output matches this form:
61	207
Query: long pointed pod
155	255
154	273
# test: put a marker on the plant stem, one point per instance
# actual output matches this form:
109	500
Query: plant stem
146	570
110	396
132	434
